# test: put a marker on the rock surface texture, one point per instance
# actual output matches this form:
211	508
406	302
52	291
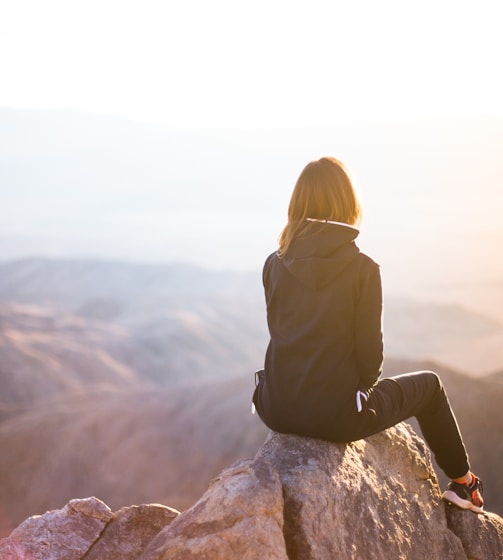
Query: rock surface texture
298	499
86	529
375	499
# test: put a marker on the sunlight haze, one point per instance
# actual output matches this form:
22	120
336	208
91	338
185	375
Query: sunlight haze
163	130
242	64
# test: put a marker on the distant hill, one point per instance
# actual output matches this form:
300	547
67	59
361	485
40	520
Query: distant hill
71	284
496	377
452	334
178	317
43	354
88	323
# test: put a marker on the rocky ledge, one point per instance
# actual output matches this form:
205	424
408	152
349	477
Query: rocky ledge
298	499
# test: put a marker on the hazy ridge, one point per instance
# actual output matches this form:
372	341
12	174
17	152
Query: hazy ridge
220	316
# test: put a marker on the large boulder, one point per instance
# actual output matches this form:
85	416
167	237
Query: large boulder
241	516
65	534
481	537
374	499
88	529
129	531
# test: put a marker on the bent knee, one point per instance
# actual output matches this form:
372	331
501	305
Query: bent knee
434	381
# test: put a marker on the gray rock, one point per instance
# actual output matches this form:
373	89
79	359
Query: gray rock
87	529
130	530
241	516
298	499
373	499
481	535
65	534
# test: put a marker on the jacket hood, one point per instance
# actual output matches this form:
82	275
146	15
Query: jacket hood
318	258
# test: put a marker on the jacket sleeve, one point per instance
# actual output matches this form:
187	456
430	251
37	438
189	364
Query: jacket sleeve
266	275
368	327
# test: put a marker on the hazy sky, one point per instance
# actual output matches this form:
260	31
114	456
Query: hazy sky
260	63
267	63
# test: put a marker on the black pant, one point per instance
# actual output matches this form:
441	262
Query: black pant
420	394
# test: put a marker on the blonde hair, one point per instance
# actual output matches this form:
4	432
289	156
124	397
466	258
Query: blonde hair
324	191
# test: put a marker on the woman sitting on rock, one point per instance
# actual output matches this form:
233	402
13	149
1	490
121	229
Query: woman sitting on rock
322	369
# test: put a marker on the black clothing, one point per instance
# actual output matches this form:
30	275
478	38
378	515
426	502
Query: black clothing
324	315
420	394
324	306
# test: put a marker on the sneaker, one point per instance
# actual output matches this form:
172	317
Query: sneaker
465	496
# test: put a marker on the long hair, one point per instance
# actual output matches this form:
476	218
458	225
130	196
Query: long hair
323	191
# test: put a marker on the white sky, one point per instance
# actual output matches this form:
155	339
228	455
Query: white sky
260	63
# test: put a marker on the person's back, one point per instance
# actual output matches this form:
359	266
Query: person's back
324	317
323	362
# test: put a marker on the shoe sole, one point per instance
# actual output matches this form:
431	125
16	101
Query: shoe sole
454	499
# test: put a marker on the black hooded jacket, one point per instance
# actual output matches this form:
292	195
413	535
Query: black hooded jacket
324	306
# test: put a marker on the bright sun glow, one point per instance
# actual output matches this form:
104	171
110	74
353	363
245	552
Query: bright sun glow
262	63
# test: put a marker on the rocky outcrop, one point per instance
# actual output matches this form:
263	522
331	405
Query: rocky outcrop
86	529
63	534
298	499
481	538
373	499
129	532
